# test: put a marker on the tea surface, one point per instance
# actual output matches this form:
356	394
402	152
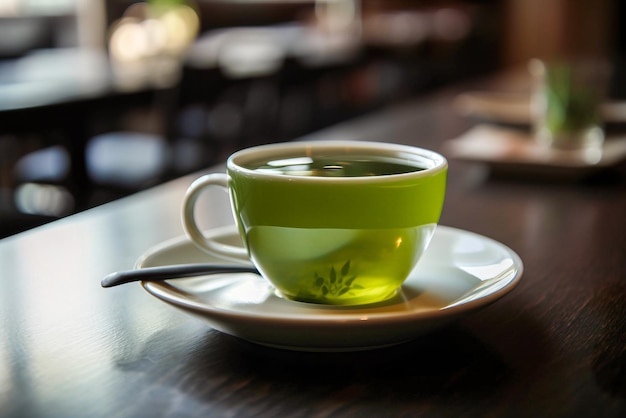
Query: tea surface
338	166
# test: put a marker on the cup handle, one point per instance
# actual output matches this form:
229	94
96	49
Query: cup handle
208	245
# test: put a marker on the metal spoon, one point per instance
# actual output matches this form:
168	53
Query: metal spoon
172	272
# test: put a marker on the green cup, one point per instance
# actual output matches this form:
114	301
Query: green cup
329	222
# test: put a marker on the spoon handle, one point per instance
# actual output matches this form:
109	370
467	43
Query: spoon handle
172	272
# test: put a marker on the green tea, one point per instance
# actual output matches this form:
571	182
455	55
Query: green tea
337	166
337	266
335	222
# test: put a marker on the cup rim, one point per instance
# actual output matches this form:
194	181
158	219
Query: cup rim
438	161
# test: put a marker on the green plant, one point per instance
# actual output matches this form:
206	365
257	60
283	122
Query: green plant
571	104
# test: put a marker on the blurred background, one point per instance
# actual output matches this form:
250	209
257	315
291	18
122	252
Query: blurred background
103	98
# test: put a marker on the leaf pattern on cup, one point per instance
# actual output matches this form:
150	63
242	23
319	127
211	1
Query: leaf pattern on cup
336	282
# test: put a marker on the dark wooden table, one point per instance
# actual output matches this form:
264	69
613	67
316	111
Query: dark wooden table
554	347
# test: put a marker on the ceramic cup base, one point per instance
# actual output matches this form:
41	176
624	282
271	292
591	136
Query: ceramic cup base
337	266
352	302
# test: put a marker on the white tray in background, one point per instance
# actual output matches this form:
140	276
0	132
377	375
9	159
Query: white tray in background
513	150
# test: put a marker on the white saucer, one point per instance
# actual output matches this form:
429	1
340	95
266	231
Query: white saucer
459	273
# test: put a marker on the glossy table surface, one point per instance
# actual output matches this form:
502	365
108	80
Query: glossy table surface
554	346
